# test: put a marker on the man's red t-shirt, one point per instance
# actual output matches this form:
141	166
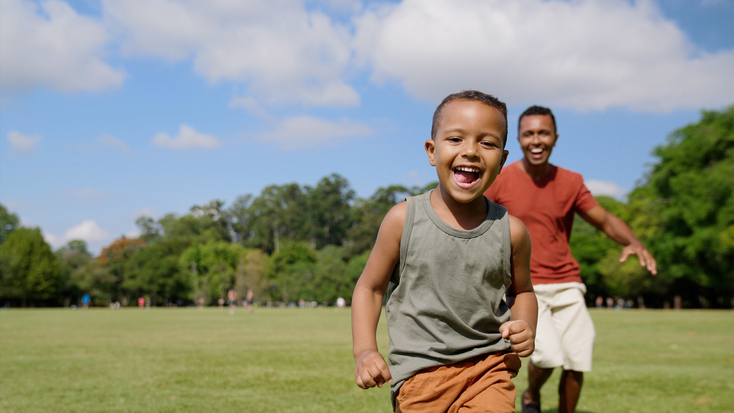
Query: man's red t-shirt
547	208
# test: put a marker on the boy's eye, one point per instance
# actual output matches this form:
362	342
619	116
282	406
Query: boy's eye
454	139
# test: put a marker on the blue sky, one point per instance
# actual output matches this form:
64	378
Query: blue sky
114	109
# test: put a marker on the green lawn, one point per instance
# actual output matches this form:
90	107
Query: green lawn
299	360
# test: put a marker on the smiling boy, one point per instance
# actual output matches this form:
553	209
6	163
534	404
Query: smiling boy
450	256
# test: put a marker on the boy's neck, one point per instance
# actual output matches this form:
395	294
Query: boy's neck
537	172
456	214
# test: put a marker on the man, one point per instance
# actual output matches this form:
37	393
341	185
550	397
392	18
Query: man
545	198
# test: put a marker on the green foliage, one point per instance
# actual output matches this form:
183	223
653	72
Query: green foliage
289	269
77	268
212	268
694	181
28	268
329	210
8	222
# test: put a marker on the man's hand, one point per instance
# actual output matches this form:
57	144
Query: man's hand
371	370
522	337
646	259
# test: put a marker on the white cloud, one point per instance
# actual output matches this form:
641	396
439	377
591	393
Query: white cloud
23	144
251	105
88	231
285	53
114	143
607	188
583	55
187	138
52	46
305	131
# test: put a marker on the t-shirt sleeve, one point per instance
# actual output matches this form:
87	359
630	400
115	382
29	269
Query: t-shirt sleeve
584	200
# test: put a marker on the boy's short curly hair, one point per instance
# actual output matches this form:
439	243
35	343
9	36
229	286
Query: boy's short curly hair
470	95
537	110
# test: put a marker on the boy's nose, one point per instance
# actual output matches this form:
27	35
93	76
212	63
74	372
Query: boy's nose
470	149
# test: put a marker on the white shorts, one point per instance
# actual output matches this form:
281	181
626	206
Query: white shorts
565	333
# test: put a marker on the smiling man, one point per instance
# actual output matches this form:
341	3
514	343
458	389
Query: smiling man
545	198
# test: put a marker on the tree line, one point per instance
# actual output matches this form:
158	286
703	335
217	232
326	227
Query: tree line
294	242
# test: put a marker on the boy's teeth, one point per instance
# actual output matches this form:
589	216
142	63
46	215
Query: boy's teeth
536	150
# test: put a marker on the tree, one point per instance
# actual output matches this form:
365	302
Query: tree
251	273
155	271
28	268
240	218
278	215
329	209
8	223
694	183
289	270
115	268
77	268
370	212
212	268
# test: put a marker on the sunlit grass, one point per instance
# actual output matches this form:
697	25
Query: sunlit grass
299	360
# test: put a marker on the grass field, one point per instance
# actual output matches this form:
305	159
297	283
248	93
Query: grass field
299	360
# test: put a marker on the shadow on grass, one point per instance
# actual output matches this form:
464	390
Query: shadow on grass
556	411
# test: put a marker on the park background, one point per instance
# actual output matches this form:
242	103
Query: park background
176	149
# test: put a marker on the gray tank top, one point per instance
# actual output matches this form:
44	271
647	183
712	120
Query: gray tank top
445	302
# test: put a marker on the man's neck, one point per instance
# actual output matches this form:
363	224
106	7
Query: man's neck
537	172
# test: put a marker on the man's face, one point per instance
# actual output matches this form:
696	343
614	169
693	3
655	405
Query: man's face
467	149
537	137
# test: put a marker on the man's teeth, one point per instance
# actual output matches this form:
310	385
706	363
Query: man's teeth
464	169
536	150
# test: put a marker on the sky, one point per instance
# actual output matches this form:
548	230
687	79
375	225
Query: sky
110	110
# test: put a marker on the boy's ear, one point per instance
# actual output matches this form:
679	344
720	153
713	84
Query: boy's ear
504	159
431	151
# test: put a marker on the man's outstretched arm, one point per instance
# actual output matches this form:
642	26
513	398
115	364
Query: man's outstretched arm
617	230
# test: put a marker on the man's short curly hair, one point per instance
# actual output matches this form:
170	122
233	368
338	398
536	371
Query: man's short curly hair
538	110
471	95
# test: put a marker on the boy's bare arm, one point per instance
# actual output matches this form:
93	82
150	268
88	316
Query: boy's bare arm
524	306
371	369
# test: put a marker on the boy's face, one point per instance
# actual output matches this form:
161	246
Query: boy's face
467	149
537	137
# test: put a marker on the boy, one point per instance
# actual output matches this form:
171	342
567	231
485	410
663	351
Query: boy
449	256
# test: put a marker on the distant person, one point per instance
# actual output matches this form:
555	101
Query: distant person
610	302
457	254
200	303
545	198
141	302
85	301
599	301
341	303
220	301
232	301
250	296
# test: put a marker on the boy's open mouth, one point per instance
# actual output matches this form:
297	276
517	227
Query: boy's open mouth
465	175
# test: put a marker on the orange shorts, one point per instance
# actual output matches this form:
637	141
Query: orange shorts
479	384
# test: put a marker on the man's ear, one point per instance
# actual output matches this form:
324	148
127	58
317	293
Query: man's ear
431	151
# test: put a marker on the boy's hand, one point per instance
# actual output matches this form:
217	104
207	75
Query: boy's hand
521	336
371	370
